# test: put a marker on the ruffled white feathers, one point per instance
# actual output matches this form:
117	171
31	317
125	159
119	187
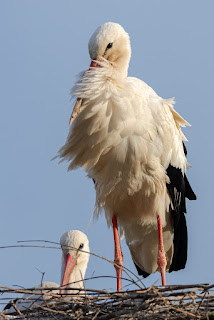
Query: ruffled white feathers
124	137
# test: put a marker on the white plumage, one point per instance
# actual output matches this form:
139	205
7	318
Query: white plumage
126	137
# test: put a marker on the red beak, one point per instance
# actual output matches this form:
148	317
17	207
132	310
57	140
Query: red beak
93	65
69	267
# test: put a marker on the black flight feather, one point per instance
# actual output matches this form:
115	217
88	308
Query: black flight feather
10	305
140	271
179	189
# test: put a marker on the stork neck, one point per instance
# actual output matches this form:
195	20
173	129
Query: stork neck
121	68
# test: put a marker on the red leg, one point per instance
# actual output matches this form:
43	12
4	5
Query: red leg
161	260
118	256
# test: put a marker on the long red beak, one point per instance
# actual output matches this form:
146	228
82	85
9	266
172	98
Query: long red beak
69	267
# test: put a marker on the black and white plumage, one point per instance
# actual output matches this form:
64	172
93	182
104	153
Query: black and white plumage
129	141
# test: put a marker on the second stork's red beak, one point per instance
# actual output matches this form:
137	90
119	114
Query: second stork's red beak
69	267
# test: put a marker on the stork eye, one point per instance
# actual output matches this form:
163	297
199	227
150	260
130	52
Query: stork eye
109	45
81	246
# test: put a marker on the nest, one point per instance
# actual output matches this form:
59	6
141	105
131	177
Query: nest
169	302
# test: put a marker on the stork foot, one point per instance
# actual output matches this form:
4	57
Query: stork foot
118	256
161	259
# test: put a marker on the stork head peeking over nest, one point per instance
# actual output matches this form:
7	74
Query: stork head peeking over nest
75	257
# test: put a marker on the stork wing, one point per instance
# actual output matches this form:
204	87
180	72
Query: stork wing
179	189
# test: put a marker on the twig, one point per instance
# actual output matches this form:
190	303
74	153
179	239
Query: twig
50	310
16	308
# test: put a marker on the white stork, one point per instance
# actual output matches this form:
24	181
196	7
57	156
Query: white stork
129	141
75	256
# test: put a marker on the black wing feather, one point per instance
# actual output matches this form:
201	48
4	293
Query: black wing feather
179	189
10	305
140	271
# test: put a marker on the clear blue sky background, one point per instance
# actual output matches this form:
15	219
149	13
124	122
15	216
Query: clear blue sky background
43	48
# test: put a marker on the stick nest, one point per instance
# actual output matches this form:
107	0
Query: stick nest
170	302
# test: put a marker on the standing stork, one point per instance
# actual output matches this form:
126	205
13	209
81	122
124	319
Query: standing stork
129	141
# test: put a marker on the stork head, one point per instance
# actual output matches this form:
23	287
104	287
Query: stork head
111	43
75	256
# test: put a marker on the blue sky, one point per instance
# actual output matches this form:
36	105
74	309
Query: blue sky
43	48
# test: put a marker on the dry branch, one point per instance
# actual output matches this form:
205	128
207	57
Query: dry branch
170	302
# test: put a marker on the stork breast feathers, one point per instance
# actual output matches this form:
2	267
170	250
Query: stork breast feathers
125	135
